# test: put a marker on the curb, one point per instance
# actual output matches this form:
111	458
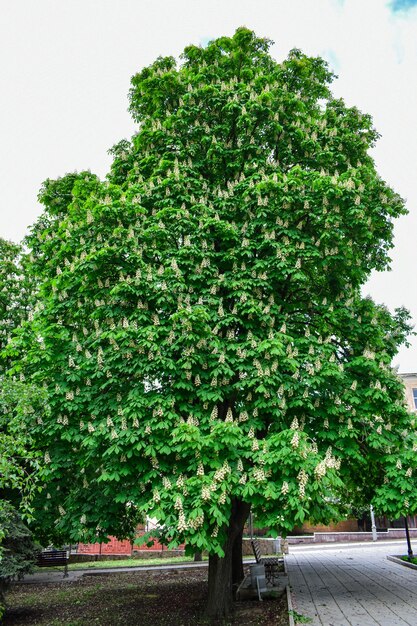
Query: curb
289	599
396	558
114	570
336	545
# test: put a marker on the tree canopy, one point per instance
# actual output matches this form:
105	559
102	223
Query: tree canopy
200	332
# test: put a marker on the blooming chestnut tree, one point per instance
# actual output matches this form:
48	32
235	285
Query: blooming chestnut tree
201	332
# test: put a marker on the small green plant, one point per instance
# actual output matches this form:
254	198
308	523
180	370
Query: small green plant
298	618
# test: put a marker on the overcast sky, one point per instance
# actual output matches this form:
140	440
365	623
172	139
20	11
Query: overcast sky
65	68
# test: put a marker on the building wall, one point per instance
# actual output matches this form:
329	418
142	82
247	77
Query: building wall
410	383
346	526
114	546
123	548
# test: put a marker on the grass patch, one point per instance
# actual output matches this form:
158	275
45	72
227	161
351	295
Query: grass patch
131	562
413	559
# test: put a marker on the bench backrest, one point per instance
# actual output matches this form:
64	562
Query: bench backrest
256	550
52	557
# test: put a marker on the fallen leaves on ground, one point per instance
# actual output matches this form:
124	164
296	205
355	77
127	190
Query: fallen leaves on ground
162	598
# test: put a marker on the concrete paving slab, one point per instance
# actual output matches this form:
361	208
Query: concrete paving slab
352	586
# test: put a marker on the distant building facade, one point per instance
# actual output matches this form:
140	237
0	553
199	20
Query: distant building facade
410	384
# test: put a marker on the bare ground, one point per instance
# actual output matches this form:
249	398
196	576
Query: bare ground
161	598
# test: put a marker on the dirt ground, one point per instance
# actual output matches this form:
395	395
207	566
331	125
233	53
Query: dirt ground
162	598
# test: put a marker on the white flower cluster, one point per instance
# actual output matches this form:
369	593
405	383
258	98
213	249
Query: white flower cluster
302	481
192	420
200	469
166	482
285	487
320	469
259	474
368	354
295	441
220	474
214	413
205	493
182	524
196	522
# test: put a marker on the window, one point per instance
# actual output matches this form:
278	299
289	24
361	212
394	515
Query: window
415	397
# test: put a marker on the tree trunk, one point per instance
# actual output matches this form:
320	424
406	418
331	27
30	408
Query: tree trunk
220	596
237	562
220	593
198	556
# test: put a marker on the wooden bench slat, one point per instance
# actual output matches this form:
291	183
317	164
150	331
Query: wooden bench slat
271	563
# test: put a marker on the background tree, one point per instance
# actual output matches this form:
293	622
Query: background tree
19	481
18	550
16	292
19	461
202	336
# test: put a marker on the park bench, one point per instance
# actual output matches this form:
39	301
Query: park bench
53	558
272	564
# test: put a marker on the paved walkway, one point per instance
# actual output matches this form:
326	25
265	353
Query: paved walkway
55	575
353	586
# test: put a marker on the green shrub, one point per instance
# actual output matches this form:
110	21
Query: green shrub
18	550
